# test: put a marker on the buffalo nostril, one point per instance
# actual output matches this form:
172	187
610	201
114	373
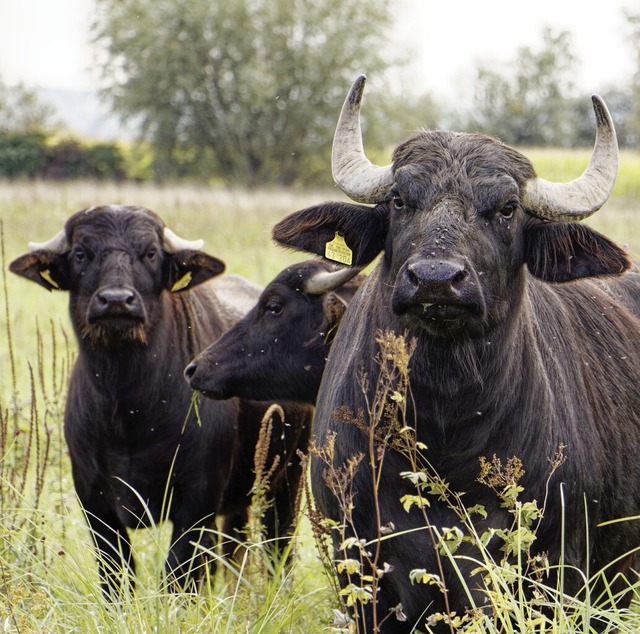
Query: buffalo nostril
459	277
412	277
190	370
440	273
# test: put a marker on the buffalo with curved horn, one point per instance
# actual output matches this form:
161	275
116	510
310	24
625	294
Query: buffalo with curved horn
143	301
526	330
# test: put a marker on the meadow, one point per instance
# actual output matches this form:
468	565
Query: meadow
48	577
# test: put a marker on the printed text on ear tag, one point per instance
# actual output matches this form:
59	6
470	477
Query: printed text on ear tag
183	282
338	251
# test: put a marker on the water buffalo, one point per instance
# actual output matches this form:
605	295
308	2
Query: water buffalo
142	304
526	327
279	349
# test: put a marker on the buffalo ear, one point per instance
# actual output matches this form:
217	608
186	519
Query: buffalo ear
190	268
363	229
42	267
560	252
333	307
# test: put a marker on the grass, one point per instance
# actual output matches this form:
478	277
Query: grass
48	577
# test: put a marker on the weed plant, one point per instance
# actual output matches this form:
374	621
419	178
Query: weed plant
515	587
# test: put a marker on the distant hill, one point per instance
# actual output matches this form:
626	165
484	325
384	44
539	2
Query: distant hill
84	115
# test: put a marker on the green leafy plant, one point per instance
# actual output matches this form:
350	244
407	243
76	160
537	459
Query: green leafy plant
518	597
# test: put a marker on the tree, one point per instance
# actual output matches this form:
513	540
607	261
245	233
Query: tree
389	119
529	107
251	87
633	21
24	120
21	112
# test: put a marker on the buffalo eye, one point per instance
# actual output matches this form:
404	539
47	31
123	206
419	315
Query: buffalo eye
507	211
79	255
273	307
396	199
151	254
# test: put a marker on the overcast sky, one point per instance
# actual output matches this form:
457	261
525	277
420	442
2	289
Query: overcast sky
45	43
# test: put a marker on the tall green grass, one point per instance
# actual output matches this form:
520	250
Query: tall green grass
48	576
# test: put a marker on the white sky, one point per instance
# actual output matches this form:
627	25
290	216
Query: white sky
451	37
45	43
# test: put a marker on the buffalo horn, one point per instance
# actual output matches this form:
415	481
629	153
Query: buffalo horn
325	281
352	171
57	244
583	196
174	243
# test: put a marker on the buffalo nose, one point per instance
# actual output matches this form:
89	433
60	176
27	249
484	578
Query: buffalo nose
433	281
440	278
114	302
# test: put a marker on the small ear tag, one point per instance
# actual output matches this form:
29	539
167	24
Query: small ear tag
46	275
183	282
338	251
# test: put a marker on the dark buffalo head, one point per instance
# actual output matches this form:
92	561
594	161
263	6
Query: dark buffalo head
116	262
460	217
278	350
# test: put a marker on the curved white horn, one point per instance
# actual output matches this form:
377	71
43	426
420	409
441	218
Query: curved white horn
325	281
173	242
57	244
352	171
582	196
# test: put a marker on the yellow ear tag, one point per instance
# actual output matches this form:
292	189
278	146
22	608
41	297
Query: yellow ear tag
338	250
46	275
183	282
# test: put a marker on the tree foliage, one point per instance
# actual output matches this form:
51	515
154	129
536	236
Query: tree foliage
529	106
21	112
248	88
633	20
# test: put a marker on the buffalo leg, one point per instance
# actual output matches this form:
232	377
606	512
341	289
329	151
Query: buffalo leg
189	554
279	518
113	549
234	528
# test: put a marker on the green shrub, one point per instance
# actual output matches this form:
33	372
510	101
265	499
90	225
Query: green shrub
22	154
34	155
105	161
68	159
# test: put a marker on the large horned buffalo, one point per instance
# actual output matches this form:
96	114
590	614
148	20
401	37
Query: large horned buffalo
142	304
526	328
278	350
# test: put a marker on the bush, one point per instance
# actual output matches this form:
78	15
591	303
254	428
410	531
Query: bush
32	155
105	160
22	154
65	160
69	159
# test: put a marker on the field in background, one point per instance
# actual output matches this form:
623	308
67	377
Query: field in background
47	572
620	217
